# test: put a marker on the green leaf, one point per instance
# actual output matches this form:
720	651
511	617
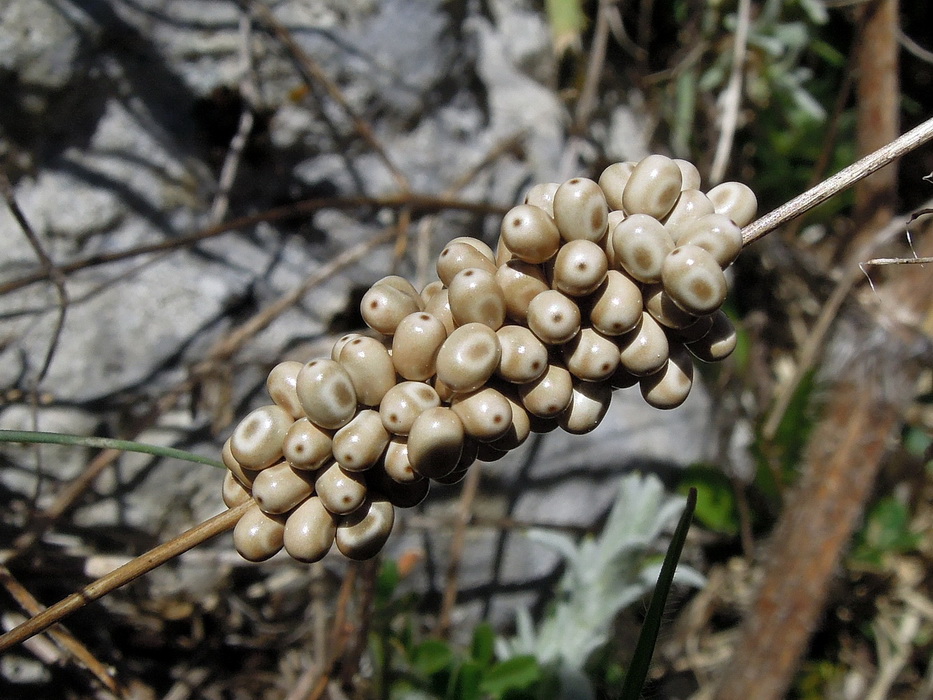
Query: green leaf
465	683
513	674
567	22
484	642
386	582
716	508
644	648
431	657
886	531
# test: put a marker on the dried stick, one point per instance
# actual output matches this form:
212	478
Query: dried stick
414	201
464	508
842	180
62	637
124	574
732	96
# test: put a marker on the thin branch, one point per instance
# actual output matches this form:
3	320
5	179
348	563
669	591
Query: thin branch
732	96
842	180
62	637
457	543
49	270
418	203
123	575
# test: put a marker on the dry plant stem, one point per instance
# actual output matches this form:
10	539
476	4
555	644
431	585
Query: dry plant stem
594	69
62	637
124	574
458	541
417	203
249	93
313	73
816	525
840	465
49	271
878	112
732	97
842	180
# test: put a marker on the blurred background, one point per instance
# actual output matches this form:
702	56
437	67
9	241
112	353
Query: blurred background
214	184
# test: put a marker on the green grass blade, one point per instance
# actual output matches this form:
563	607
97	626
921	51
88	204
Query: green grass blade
31	437
644	649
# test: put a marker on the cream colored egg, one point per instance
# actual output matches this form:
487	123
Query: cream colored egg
553	317
439	307
306	446
735	200
486	414
644	349
403	403
520	282
717	234
640	244
241	474
384	305
694	280
718	343
280	488
435	442
280	384
588	405
468	357
691	205
689	173
256	441
475	297
309	531
415	345
663	309
461	256
669	386
524	357
529	233
613	180
520	427
340	491
478	244
542	196
326	393
653	187
581	211
431	289
579	268
234	493
396	463
362	534
550	394
370	367
340	342
360	443
258	536
616	305
591	356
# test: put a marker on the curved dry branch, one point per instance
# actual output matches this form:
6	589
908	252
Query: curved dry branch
123	575
842	180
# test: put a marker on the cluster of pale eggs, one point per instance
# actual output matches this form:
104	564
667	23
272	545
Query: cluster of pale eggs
593	287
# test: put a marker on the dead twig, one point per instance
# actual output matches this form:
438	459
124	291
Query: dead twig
123	575
842	180
731	97
63	638
416	202
457	543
